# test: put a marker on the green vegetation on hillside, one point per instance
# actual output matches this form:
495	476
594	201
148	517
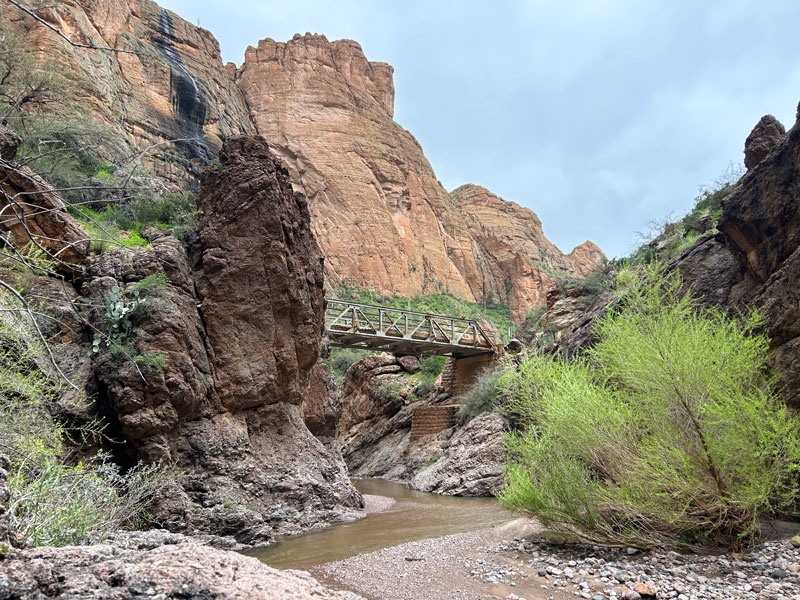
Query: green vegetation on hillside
668	430
57	499
439	304
669	237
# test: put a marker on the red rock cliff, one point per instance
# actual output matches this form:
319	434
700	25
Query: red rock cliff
381	217
172	87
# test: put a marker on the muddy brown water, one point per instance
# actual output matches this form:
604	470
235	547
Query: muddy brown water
414	516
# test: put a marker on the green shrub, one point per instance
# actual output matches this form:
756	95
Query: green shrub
342	359
668	431
487	394
59	505
431	366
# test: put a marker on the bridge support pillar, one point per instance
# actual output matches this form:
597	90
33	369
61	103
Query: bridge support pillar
460	374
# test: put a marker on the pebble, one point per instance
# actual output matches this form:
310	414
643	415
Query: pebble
770	571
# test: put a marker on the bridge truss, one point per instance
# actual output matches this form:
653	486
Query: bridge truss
369	327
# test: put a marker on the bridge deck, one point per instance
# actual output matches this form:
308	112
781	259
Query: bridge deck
370	327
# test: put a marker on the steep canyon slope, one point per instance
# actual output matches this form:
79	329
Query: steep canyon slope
167	97
382	218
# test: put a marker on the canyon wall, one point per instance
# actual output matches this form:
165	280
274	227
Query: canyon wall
382	218
169	84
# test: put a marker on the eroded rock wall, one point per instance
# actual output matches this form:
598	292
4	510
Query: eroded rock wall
381	217
170	84
239	325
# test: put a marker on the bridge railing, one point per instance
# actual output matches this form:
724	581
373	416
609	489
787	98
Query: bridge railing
358	325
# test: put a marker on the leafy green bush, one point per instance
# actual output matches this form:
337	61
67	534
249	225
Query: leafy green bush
59	505
342	359
431	366
54	500
487	394
668	431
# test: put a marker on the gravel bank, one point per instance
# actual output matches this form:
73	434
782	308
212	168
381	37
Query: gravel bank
485	565
377	504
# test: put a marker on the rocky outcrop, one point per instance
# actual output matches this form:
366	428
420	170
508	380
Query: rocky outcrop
764	137
168	97
31	212
464	459
381	217
239	327
515	249
152	564
752	262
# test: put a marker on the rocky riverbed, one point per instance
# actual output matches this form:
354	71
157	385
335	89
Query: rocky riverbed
482	565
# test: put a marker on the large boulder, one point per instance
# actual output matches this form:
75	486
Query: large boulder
239	324
152	565
764	137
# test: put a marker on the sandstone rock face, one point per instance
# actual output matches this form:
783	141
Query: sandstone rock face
239	325
516	250
382	219
153	564
764	137
30	211
174	87
375	435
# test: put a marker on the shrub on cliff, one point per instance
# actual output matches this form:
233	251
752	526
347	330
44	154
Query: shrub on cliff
56	499
487	394
669	430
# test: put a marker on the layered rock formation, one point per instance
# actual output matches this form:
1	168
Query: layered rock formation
382	219
170	84
239	327
515	249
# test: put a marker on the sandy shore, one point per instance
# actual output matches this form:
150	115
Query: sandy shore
434	569
377	504
485	565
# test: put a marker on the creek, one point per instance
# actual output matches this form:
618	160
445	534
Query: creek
414	516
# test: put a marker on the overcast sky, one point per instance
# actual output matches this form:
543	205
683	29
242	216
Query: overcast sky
601	116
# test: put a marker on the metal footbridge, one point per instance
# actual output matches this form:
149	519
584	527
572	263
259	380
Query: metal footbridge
370	327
